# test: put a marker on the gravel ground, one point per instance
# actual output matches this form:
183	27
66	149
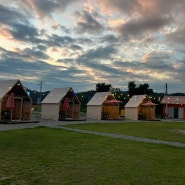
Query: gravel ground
48	123
60	124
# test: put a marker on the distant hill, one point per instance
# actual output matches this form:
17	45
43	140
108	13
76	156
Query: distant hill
177	94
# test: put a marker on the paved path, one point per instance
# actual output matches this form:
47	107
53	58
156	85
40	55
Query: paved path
49	123
61	125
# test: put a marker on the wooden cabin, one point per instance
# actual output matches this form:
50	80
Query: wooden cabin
140	107
61	104
21	107
100	106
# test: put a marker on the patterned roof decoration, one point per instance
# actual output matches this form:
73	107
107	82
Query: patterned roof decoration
173	100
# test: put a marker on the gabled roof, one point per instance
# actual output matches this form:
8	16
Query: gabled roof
98	98
56	95
173	100
135	100
6	86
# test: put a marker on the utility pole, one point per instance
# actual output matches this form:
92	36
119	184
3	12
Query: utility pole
166	89
166	108
40	83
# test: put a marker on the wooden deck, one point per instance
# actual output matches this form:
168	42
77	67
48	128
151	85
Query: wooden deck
18	121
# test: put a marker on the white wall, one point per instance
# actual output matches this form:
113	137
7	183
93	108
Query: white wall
170	112
180	113
50	111
94	112
131	113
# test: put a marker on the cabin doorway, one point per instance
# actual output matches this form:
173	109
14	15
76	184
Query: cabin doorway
18	109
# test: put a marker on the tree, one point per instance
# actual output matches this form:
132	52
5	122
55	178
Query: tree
102	87
131	88
84	98
141	89
113	89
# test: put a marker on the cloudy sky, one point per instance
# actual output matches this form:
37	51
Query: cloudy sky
79	43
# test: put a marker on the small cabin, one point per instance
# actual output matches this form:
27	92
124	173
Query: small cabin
173	107
100	106
61	104
140	107
15	103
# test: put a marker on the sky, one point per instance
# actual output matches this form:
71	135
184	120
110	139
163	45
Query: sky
80	43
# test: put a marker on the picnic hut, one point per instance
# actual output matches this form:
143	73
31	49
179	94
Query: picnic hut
140	107
173	107
61	104
103	105
15	103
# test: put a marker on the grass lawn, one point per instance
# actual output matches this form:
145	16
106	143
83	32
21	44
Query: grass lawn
170	131
55	156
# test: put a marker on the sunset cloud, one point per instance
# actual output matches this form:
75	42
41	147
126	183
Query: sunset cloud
80	43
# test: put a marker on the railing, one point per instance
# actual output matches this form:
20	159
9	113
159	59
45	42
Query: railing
105	115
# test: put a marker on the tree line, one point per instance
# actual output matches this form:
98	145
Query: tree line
84	97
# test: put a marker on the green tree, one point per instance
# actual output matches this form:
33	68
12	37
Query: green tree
131	88
141	89
102	87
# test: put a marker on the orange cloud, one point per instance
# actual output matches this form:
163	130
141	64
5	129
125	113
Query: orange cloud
54	24
145	57
7	40
88	7
149	7
6	33
54	49
131	71
17	50
34	7
105	9
116	22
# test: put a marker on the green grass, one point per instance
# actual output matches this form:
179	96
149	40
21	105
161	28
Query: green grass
37	108
53	156
170	131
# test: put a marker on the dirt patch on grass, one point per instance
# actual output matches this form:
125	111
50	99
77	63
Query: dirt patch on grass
180	131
